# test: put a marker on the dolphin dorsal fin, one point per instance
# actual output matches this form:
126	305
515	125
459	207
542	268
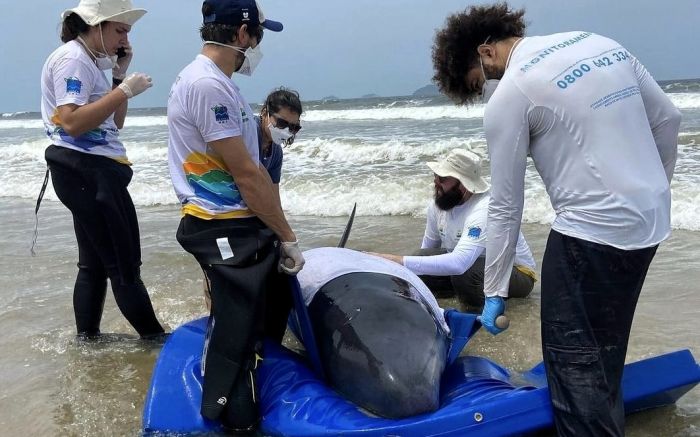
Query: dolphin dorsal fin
346	232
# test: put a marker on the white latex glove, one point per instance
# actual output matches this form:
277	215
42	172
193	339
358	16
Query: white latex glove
119	70
291	260
135	84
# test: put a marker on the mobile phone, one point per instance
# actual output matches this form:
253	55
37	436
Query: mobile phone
121	52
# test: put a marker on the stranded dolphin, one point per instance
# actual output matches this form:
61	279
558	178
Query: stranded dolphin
381	337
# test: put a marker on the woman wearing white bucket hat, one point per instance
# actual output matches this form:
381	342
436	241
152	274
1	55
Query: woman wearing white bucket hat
452	255
82	114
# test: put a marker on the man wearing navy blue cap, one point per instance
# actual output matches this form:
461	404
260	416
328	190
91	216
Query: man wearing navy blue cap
238	12
232	221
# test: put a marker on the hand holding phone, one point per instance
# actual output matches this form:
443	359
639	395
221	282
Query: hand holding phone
124	55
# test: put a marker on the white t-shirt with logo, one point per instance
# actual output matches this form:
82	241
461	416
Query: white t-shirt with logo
602	135
462	231
70	76
327	263
204	106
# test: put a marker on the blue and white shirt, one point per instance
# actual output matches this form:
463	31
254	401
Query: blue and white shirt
70	76
204	106
462	231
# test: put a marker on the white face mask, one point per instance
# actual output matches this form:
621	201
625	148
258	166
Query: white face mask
489	86
106	63
102	60
252	57
279	136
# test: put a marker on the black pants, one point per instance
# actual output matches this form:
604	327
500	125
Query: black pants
249	299
469	286
589	294
99	243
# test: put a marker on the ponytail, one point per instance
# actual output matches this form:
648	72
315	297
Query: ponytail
72	27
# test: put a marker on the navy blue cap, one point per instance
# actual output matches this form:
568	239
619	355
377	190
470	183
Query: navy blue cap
237	12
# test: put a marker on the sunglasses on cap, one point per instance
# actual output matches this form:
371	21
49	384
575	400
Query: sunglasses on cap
281	123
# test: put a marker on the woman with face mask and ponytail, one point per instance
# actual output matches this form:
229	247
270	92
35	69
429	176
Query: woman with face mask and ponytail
83	113
278	124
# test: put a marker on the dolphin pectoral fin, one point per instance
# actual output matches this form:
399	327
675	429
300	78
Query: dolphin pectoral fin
346	232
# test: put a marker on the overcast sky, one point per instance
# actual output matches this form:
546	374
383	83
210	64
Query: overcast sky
341	48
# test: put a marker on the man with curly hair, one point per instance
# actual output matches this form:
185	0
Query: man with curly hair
603	136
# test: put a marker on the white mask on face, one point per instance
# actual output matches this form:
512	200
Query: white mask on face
489	86
106	63
279	136
102	61
252	57
109	61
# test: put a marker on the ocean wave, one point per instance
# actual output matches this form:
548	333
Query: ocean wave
30	151
131	121
22	124
685	210
685	100
378	194
14	114
146	121
391	112
395	110
323	176
680	86
375	196
320	150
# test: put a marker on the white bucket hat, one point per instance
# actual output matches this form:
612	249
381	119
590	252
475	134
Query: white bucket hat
465	166
94	12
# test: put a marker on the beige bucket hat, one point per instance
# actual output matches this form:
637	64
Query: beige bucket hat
464	165
94	12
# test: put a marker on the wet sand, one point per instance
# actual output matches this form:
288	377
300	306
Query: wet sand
54	385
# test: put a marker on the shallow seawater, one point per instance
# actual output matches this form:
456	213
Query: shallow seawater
57	385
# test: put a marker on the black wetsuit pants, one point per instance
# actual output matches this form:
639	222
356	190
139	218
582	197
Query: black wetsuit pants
589	294
105	244
249	298
469	286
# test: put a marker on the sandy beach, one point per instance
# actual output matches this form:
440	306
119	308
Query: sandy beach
55	385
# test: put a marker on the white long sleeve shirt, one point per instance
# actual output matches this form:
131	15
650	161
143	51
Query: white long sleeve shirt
602	134
462	231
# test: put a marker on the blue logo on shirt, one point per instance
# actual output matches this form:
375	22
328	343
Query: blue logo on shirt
73	85
221	113
474	232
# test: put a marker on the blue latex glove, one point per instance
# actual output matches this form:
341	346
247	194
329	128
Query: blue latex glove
493	307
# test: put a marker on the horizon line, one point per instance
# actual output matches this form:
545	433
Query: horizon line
332	97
